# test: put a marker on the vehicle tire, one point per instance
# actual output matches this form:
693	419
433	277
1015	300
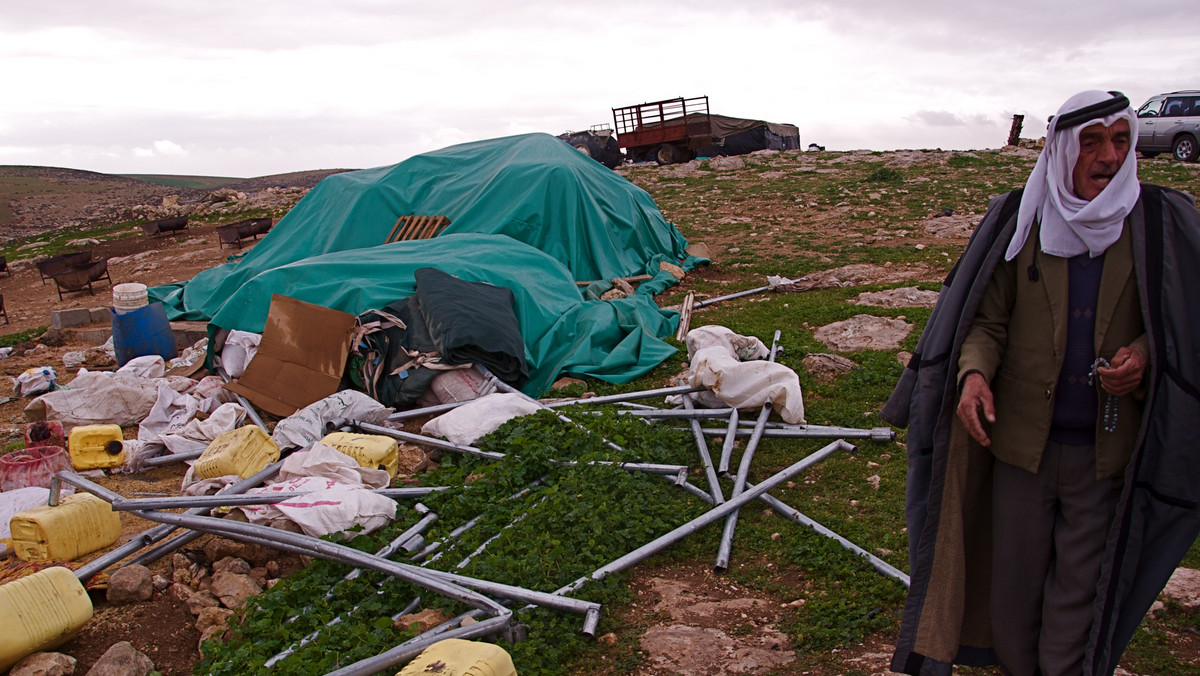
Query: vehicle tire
1184	148
582	147
666	154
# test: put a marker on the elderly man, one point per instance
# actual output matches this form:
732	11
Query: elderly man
1049	429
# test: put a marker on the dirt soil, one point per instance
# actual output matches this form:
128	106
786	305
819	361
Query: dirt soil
686	620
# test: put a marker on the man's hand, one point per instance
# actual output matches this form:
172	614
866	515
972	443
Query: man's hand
976	395
1128	367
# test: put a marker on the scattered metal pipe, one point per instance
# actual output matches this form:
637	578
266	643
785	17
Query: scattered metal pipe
251	412
170	458
739	485
505	387
149	537
651	468
628	396
714	514
783	509
123	504
705	303
714	484
730	440
488	386
810	432
415	646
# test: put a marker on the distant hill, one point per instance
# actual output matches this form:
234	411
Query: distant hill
199	182
40	198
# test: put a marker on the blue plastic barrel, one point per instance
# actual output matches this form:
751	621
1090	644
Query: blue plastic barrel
142	332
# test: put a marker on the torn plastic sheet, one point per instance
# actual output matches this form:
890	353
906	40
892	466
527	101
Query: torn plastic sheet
338	495
308	424
718	362
467	423
99	398
240	347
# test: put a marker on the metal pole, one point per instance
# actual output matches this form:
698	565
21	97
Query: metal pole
169	458
505	387
809	432
651	468
628	396
875	562
156	534
739	482
739	485
489	386
714	484
123	504
730	440
714	514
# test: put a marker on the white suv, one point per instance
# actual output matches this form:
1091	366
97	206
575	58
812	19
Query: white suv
1170	123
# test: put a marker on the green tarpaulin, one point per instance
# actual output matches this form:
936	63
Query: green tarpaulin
527	212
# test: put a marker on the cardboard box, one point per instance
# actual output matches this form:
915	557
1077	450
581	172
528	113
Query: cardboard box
300	359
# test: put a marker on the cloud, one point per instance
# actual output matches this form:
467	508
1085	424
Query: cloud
938	118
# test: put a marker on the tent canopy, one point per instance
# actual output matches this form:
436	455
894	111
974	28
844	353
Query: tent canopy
527	212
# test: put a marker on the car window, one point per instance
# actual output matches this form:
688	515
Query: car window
1151	108
1176	107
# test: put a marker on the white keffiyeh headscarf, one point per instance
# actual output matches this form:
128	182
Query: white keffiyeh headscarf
1069	225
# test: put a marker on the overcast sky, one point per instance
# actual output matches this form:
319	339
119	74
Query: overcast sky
255	87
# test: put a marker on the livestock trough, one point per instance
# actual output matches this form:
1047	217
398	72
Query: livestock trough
164	225
233	233
63	263
80	277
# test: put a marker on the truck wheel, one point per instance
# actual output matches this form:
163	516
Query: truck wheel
582	147
1184	148
666	154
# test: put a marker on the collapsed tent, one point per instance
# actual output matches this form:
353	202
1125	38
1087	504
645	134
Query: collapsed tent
526	212
615	340
533	188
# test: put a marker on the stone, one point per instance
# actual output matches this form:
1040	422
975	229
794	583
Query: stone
44	664
726	163
198	601
62	319
233	588
827	367
608	639
864	332
676	271
1184	588
159	583
908	296
122	659
565	382
100	315
212	617
425	620
259	575
231	564
131	584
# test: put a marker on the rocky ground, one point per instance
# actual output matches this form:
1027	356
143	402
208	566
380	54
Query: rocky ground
692	622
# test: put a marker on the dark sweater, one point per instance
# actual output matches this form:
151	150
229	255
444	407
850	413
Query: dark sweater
1076	402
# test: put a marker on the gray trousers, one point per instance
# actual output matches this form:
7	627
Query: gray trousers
1049	531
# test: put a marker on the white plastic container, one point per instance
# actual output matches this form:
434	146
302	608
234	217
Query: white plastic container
129	297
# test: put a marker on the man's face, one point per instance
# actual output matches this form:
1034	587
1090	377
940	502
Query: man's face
1102	151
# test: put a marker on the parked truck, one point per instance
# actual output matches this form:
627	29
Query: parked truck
680	129
666	131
